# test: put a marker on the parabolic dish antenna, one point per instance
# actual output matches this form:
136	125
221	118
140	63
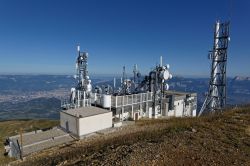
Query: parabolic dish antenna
166	75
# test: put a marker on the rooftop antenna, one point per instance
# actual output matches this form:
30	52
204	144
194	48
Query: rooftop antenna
135	71
78	48
124	80
83	88
114	83
216	97
160	61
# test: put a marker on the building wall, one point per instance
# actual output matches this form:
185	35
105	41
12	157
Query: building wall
194	106
191	106
194	113
165	109
179	107
69	123
171	113
95	123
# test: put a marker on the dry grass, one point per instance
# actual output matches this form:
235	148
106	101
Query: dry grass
10	128
213	140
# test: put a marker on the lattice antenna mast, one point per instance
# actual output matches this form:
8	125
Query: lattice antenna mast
136	75
124	81
216	97
82	70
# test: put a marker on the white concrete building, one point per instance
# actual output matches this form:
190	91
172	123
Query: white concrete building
181	104
136	106
85	120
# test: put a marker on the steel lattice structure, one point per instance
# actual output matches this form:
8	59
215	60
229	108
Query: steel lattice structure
82	70
216	97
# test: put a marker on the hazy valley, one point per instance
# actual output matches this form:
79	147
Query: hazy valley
39	96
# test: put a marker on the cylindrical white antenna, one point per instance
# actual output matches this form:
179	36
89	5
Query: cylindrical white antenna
160	61
78	47
114	82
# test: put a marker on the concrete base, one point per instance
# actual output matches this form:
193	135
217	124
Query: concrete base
117	124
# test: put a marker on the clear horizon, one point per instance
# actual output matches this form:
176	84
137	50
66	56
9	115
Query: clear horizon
93	75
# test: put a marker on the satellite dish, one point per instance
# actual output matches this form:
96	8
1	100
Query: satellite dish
166	87
166	75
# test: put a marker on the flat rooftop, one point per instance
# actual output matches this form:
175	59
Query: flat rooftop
85	111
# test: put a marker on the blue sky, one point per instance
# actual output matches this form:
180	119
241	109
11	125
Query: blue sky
40	36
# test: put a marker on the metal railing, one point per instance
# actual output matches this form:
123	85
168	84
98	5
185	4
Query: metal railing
126	100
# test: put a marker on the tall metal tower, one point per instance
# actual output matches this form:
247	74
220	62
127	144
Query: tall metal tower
80	94
216	97
82	70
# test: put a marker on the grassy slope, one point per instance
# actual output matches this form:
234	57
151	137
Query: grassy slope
217	140
10	128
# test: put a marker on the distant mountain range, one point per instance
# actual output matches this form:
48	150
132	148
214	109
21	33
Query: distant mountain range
39	96
239	78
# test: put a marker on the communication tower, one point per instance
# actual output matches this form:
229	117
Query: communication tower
216	97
